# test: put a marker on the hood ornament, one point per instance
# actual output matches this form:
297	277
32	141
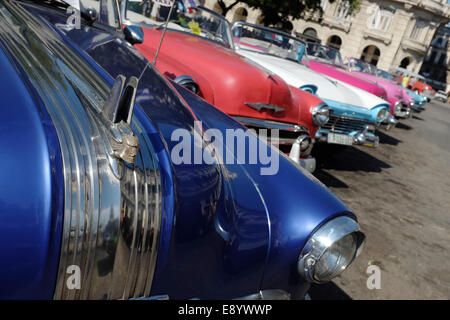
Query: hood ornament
117	115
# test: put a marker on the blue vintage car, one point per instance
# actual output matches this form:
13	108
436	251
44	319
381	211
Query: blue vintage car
419	100
93	205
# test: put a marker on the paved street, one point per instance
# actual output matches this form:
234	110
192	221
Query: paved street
401	194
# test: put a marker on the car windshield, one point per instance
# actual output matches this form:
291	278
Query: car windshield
322	53
359	66
267	41
198	21
363	66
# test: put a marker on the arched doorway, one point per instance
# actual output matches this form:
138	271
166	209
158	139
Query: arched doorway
310	32
288	26
371	54
217	8
260	19
405	62
240	14
335	42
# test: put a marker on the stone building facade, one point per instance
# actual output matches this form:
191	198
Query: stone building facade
386	33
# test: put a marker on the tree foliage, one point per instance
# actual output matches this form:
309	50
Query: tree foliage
281	11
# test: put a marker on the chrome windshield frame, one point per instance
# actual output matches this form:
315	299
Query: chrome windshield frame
274	31
328	59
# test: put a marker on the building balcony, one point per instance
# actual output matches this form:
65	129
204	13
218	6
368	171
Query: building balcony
412	45
437	7
337	23
378	35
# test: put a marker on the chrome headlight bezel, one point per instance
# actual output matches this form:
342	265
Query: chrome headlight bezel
398	107
323	241
321	114
380	113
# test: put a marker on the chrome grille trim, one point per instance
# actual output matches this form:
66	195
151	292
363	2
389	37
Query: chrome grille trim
96	184
345	124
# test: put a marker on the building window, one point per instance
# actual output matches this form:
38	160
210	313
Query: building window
442	60
405	63
240	14
343	9
310	32
382	20
324	5
371	54
432	57
417	31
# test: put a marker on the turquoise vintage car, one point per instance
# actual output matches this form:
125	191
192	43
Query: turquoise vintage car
419	100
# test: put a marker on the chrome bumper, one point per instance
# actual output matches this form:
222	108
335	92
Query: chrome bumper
402	110
302	156
309	164
361	138
390	122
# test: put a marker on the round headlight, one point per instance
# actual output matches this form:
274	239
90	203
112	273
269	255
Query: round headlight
398	107
305	143
321	114
382	115
330	250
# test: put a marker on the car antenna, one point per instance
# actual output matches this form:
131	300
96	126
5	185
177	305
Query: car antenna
165	26
164	3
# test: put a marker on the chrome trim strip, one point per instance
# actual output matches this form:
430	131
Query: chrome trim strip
107	201
271	30
261	106
271	125
321	241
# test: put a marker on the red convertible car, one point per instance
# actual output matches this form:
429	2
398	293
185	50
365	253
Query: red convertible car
197	52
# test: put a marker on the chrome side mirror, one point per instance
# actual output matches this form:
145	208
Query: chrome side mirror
133	34
92	15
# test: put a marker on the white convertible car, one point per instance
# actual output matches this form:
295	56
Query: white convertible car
355	113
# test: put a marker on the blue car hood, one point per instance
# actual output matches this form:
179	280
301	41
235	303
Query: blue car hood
224	226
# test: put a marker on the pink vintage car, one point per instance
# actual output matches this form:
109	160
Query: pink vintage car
401	102
328	61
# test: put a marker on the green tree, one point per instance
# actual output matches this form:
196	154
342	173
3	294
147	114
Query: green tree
281	11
